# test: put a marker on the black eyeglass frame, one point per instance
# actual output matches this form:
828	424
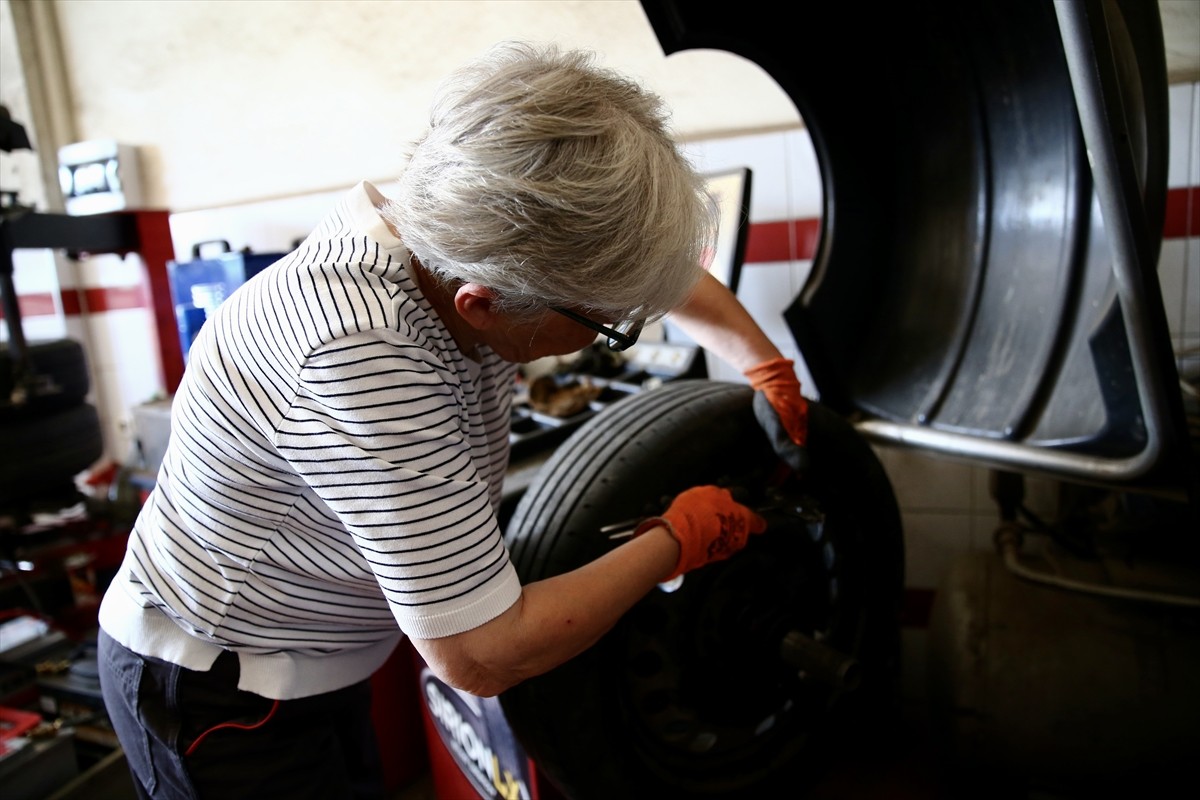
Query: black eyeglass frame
623	337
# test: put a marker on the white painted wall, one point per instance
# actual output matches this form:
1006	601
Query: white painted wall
1179	260
241	100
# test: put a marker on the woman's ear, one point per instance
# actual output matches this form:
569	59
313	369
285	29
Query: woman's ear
475	303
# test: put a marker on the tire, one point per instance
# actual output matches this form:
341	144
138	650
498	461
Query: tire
50	449
688	695
60	381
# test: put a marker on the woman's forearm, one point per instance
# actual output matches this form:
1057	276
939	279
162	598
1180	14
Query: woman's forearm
717	321
554	620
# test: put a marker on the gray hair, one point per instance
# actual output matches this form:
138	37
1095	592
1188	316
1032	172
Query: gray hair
554	182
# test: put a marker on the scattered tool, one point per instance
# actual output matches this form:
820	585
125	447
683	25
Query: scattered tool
625	528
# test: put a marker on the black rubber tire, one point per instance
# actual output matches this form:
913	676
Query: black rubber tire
44	453
614	721
60	371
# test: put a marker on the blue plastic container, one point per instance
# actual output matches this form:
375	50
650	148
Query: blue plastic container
198	287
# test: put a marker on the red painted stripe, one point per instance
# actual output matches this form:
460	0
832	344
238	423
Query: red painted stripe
784	240
766	242
769	242
808	235
100	299
1182	213
72	304
96	300
34	305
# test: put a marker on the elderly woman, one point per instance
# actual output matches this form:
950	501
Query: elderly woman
341	434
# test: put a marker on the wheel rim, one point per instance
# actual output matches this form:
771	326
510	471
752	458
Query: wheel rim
699	691
724	627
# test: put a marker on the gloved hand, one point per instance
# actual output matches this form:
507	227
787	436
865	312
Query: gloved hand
781	410
708	524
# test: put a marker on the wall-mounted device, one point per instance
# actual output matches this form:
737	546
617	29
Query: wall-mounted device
99	176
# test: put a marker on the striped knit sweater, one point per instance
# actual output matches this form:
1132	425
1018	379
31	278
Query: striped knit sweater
334	467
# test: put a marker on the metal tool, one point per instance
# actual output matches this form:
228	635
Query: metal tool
625	528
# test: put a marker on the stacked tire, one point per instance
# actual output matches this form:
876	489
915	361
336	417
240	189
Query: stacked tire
49	433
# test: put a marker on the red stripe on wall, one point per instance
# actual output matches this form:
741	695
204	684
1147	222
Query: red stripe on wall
34	305
767	241
1182	213
785	240
97	300
773	241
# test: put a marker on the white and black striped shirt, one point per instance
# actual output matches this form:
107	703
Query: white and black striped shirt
334	467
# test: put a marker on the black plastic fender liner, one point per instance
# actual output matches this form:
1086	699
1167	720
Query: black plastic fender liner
993	209
688	695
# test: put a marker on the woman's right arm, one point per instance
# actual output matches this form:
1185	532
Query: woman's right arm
557	618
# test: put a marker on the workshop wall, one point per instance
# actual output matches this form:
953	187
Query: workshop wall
239	101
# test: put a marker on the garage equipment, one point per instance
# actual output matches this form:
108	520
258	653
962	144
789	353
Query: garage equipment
99	176
984	289
48	434
646	366
797	629
43	385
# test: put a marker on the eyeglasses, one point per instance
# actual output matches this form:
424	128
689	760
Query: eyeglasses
621	337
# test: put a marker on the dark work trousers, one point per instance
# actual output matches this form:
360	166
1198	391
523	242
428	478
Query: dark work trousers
191	735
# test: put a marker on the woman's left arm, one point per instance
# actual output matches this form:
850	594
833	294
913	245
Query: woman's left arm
717	321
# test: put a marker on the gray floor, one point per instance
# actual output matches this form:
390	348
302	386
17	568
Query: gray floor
421	789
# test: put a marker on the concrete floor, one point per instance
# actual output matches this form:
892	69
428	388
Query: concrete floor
910	772
421	789
905	778
913	766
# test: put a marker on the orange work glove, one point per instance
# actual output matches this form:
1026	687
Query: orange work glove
777	380
780	409
708	524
